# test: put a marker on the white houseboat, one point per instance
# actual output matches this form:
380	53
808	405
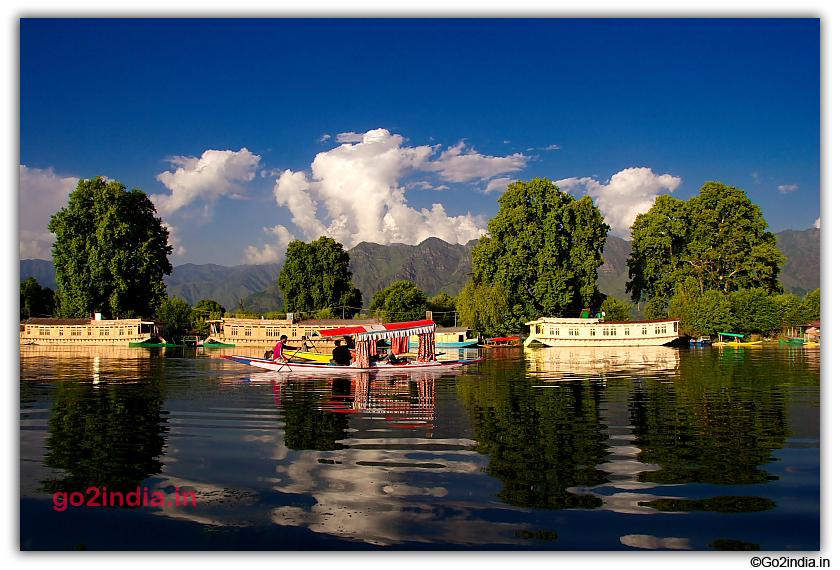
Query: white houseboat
81	332
596	331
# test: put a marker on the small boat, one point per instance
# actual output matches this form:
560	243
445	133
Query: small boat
365	337
734	339
501	341
273	366
701	341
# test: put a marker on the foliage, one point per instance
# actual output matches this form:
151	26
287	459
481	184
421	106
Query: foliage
754	311
616	310
656	308
35	301
789	309
543	251
205	310
483	308
110	252
443	303
718	237
177	314
402	301
316	276
811	306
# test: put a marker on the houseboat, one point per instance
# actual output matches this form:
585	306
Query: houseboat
91	331
266	332
596	331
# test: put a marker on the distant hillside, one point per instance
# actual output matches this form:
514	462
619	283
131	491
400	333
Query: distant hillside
433	265
43	272
801	273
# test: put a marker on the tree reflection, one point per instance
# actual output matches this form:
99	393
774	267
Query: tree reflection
105	435
539	441
717	425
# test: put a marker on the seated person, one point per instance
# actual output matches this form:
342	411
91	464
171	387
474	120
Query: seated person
341	354
278	350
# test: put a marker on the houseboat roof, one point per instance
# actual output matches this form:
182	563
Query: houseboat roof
576	321
76	322
452	329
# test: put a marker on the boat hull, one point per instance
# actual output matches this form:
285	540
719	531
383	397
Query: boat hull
273	366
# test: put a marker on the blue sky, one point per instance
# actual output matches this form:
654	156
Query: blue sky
249	133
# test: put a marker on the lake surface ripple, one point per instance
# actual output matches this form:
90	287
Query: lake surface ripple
534	449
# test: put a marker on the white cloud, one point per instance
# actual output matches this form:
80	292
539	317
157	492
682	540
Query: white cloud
42	194
216	173
788	188
628	193
461	164
498	185
270	253
817	223
325	138
175	240
355	188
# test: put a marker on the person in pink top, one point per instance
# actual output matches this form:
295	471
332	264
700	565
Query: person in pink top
278	349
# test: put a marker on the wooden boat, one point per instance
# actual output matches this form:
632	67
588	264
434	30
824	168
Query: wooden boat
326	367
365	337
501	342
734	339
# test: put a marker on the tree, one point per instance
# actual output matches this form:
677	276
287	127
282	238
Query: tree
616	310
754	311
443	303
401	301
110	252
543	251
316	276
204	310
789	309
484	309
718	237
177	314
811	306
35	301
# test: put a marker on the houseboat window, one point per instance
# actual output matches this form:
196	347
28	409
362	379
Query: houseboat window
75	331
591	332
675	326
247	332
627	331
43	331
574	332
61	331
644	330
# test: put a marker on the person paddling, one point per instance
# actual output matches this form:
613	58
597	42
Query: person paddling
278	349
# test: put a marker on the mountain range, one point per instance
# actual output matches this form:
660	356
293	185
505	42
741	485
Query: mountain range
434	265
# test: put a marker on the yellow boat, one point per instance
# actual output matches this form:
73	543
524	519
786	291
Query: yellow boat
736	340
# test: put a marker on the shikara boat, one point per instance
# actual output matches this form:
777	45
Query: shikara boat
734	339
365	337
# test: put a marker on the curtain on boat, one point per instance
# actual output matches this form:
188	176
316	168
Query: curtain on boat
426	349
362	354
399	345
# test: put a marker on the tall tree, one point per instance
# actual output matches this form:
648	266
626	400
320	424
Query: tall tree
544	249
316	276
35	301
401	301
718	237
110	252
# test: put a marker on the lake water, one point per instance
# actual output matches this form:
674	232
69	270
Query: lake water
534	449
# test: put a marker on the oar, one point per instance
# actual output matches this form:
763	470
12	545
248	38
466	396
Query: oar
290	359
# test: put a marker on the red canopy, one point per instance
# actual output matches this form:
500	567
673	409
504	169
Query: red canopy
381	332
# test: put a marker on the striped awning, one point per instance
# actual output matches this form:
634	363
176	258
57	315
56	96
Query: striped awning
381	332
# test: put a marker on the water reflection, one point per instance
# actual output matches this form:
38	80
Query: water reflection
521	451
